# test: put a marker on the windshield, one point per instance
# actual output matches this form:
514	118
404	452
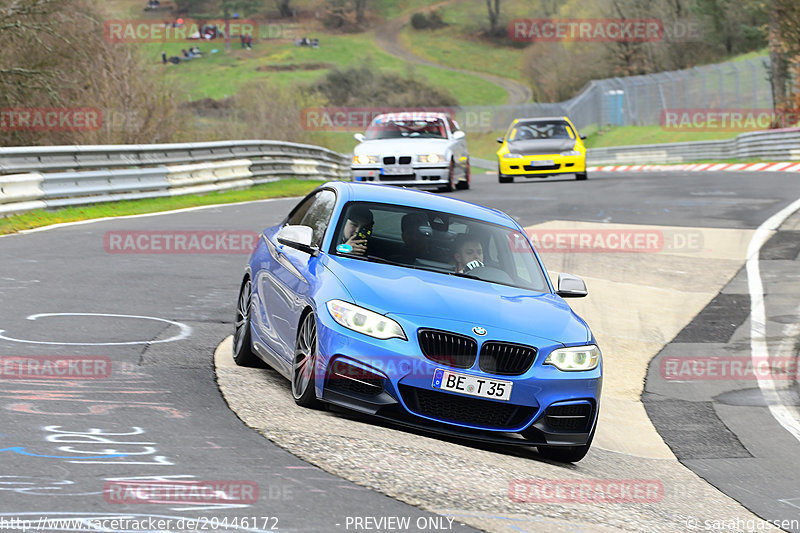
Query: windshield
414	128
555	129
438	242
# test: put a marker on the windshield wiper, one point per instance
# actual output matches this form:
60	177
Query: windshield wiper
465	275
383	260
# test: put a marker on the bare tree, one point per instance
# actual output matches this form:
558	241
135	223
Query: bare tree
494	15
360	7
284	8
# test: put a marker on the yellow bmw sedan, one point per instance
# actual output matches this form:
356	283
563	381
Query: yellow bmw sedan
541	147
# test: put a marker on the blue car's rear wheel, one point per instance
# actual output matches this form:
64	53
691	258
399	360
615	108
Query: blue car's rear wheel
305	363
242	350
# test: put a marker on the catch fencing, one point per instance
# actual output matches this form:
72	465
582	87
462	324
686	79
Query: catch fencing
34	177
642	100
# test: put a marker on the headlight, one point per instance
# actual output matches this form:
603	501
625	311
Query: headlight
365	321
365	159
512	156
571	152
432	158
575	358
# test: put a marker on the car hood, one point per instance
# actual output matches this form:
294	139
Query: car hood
402	146
399	291
541	146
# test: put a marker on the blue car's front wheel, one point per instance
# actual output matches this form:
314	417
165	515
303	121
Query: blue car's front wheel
305	362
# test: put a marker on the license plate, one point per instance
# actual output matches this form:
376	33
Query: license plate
544	163
472	385
394	171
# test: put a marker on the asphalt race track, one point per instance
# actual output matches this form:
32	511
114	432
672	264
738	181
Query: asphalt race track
157	319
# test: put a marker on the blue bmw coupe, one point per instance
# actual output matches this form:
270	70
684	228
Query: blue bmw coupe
425	310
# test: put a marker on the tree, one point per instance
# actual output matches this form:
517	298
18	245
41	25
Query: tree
360	8
494	15
284	8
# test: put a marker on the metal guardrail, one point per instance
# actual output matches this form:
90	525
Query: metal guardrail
772	145
34	177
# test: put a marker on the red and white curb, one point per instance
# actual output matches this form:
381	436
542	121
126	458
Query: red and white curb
782	166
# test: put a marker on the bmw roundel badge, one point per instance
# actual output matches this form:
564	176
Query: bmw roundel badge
477	330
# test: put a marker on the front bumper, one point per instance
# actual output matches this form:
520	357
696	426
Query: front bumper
542	165
419	175
392	380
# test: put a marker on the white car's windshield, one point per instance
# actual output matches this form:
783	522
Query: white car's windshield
430	128
438	241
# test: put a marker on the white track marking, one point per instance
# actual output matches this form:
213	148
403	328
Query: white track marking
759	351
185	330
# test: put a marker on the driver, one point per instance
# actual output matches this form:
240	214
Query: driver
468	253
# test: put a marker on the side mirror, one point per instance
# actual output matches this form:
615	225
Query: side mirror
500	140
459	135
297	237
360	137
570	286
583	137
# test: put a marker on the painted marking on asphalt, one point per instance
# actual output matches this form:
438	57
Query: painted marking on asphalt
759	351
185	330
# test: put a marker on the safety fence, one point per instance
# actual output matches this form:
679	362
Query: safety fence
34	177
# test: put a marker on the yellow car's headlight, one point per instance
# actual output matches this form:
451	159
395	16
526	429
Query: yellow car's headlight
512	155
571	152
575	358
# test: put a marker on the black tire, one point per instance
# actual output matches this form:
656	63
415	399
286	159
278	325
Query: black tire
305	362
566	454
581	176
451	178
242	346
504	179
464	185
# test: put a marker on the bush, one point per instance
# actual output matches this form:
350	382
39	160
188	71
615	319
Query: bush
431	21
363	86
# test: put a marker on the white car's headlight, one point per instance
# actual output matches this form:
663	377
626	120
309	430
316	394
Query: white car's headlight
512	155
365	321
365	159
432	158
575	358
571	152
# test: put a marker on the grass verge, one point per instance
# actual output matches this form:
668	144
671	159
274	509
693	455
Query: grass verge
44	217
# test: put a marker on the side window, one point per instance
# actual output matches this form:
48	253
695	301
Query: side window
318	214
453	125
295	219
